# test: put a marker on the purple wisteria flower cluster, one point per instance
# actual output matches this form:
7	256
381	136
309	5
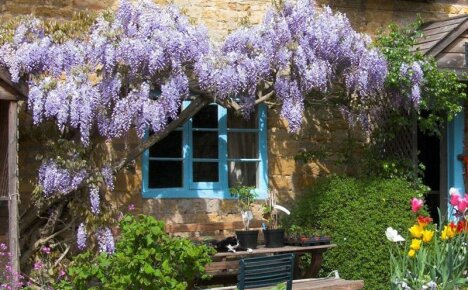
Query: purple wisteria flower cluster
54	179
105	240
299	49
81	236
144	47
415	75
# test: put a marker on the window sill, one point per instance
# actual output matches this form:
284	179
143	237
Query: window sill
200	193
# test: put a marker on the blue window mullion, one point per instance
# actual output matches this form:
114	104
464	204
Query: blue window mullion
262	152
145	169
222	150
187	152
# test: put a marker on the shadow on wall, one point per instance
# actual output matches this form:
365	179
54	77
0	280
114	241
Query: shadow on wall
325	145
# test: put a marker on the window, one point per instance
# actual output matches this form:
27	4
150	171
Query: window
213	151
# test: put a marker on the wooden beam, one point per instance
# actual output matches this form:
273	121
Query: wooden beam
6	94
21	88
13	189
195	106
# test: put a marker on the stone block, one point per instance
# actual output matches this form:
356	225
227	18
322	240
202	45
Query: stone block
18	9
52	12
95	4
283	166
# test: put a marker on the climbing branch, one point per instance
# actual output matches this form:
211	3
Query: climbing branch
196	105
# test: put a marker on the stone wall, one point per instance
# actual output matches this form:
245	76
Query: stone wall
324	130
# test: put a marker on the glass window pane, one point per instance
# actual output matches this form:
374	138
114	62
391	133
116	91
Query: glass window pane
235	120
205	171
242	173
205	145
242	145
165	174
206	117
171	146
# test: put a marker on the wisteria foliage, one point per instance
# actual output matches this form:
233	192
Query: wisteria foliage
104	84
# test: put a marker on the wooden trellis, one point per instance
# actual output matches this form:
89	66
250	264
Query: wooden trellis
402	146
4	150
10	94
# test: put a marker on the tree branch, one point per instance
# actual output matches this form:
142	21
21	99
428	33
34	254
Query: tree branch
229	103
195	106
265	97
62	256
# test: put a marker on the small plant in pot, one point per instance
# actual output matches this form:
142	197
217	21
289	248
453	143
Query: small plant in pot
274	236
245	197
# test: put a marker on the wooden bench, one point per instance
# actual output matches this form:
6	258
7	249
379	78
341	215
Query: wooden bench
314	284
217	231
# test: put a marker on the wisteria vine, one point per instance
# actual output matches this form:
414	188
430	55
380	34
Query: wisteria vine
105	84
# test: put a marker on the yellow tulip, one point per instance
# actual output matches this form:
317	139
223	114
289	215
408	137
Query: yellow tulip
415	244
448	232
411	253
427	236
416	231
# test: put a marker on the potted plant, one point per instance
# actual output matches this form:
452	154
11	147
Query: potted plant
274	236
299	236
245	197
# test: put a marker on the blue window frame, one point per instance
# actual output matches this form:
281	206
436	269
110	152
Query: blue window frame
210	153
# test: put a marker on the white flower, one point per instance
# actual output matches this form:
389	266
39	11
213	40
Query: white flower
393	236
432	285
454	190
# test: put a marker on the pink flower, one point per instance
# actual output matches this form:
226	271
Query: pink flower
454	199
38	266
45	250
463	204
62	273
131	207
416	204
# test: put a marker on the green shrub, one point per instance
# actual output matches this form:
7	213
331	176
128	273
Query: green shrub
356	213
146	257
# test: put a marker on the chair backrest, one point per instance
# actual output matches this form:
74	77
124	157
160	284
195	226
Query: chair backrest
266	271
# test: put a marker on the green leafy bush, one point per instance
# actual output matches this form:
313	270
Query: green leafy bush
356	213
146	257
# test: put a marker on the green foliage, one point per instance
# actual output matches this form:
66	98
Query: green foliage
356	213
442	94
146	257
245	196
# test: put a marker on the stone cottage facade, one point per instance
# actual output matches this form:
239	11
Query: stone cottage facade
323	129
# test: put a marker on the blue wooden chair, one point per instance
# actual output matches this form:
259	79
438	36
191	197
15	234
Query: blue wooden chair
266	271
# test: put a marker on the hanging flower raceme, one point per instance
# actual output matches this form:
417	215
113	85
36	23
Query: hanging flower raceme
103	81
300	49
105	240
81	237
54	179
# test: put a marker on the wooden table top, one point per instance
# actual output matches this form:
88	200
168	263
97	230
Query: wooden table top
285	249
